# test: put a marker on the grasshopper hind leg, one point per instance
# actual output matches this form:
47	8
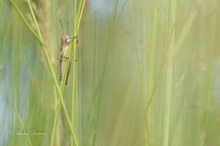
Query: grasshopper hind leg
68	72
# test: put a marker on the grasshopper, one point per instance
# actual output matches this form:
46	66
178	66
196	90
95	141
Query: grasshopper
65	42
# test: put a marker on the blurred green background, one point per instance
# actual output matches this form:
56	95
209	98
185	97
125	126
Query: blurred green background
147	73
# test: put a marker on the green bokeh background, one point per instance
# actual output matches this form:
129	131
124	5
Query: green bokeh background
147	73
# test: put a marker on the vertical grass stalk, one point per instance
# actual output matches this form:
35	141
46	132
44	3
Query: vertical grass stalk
169	80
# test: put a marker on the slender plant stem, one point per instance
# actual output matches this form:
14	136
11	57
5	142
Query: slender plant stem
22	125
73	67
169	85
35	21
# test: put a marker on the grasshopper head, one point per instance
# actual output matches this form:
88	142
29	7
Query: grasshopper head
66	39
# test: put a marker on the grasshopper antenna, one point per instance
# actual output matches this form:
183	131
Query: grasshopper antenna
61	24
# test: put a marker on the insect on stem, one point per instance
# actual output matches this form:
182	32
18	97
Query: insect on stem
63	56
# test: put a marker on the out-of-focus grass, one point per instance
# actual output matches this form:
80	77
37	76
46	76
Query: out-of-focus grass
147	74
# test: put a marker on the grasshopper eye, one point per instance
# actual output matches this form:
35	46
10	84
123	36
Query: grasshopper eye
68	40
